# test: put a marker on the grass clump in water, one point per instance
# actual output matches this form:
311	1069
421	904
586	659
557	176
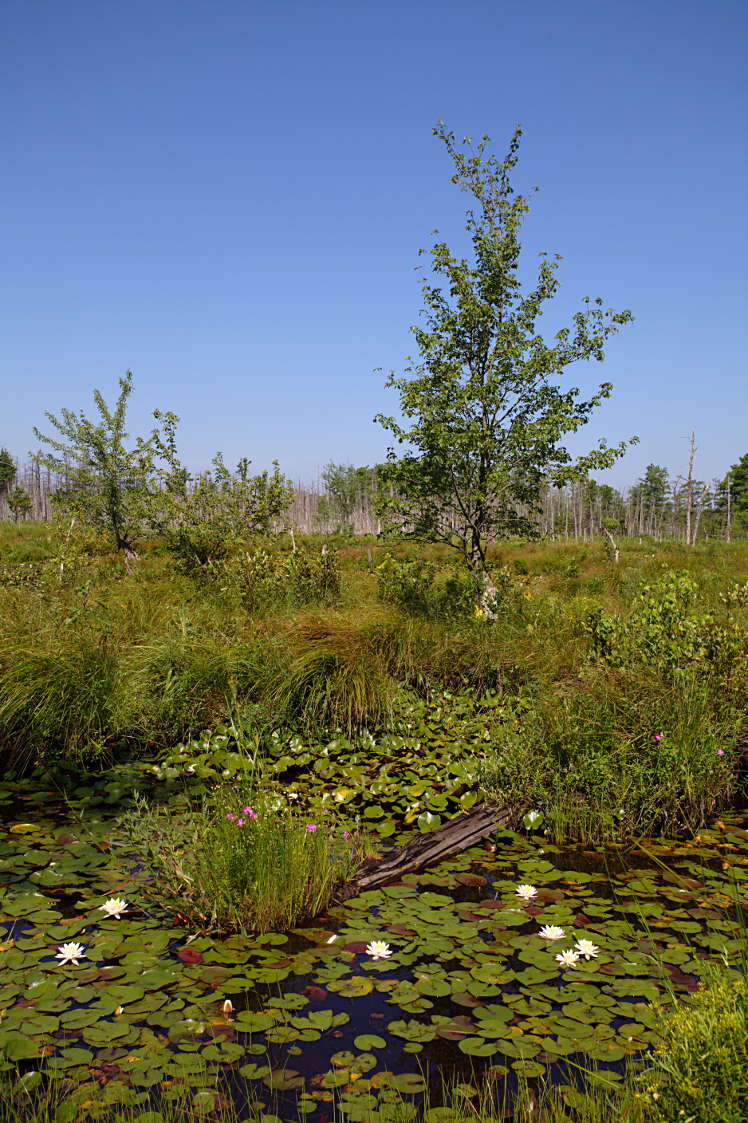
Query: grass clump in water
243	861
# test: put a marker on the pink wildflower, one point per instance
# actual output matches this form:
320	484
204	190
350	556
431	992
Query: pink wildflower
346	834
311	828
240	822
659	737
252	815
247	810
720	752
230	817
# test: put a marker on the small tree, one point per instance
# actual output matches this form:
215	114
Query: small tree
7	471
107	484
20	503
347	489
203	519
484	419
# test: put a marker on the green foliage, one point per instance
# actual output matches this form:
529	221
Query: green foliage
337	679
483	417
205	522
264	579
7	471
420	589
57	693
662	631
243	862
20	503
107	485
347	488
700	1067
623	755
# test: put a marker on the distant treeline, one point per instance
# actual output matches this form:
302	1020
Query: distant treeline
343	499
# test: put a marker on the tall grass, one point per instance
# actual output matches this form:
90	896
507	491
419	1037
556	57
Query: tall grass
242	862
337	678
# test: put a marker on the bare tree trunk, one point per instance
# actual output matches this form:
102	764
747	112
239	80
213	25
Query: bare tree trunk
689	489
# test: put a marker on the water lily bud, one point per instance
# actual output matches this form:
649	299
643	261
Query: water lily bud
228	1006
118	1011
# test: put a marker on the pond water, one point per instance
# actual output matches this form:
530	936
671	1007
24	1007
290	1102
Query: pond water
319	1029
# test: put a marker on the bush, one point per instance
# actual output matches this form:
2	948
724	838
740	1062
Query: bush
700	1068
243	862
663	632
263	580
420	589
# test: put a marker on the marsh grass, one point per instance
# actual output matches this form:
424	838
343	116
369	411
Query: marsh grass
622	753
337	678
243	861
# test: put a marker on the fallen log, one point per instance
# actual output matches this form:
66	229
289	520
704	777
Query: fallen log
425	850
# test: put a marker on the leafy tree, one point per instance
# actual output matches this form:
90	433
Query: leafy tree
347	489
735	484
739	483
204	518
106	483
654	486
7	470
20	503
483	420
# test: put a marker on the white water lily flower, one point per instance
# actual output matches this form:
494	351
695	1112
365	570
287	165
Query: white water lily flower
526	892
587	948
378	949
551	932
332	939
115	906
70	953
567	958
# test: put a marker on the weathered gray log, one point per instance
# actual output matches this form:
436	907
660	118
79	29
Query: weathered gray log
452	838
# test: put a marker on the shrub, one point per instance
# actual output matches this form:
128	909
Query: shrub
661	631
700	1067
204	523
243	862
262	580
420	589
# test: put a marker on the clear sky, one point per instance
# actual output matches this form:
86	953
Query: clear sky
228	197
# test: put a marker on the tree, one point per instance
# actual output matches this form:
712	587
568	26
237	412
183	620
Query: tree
107	484
7	470
347	489
732	496
20	503
203	519
483	419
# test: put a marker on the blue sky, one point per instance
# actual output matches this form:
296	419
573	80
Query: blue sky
228	198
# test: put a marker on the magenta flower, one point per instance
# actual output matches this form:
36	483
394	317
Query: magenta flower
231	818
311	828
659	737
720	752
247	810
346	834
240	822
252	815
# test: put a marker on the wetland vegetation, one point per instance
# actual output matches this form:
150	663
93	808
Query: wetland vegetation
141	707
